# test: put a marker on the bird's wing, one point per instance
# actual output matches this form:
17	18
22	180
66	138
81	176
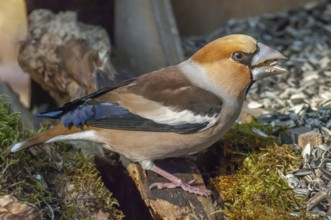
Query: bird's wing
163	101
114	116
70	106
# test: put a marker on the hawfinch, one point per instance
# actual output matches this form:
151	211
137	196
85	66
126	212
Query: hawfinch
171	112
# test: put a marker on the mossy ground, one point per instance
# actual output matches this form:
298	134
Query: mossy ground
84	188
251	188
254	189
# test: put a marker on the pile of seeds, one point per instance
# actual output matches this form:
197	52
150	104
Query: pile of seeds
301	98
313	120
313	179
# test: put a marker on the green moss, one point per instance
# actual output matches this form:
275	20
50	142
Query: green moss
256	191
239	142
84	192
242	139
17	177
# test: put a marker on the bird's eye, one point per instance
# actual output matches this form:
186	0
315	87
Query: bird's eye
238	56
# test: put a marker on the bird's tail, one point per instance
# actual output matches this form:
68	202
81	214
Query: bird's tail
43	137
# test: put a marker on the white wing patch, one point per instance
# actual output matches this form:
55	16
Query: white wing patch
166	115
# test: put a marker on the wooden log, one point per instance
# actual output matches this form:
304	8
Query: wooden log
67	58
173	203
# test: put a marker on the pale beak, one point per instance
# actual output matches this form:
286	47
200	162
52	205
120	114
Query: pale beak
264	62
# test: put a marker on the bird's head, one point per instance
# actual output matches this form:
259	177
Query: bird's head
233	63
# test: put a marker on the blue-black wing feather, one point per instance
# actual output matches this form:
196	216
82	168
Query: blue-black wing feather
70	106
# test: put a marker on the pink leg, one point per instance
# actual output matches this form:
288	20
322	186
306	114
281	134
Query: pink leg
176	182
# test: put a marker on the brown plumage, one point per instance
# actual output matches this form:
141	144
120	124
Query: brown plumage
171	112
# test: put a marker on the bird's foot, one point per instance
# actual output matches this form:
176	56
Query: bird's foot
175	182
185	186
